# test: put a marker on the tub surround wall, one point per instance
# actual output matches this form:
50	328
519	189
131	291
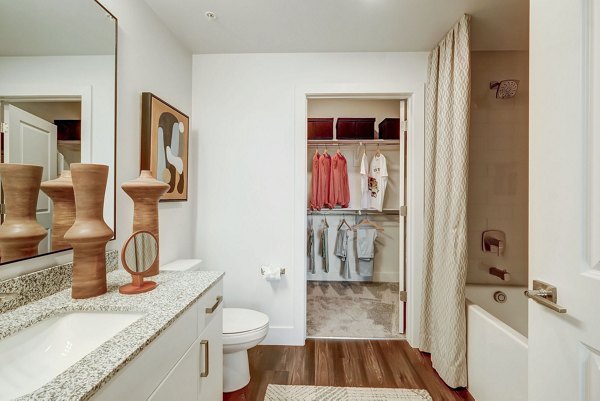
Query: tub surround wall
498	167
42	283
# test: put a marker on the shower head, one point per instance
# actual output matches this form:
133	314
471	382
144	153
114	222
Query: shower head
505	89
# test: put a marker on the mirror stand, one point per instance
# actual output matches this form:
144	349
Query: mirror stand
137	286
138	255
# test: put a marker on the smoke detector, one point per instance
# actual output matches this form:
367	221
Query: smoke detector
210	15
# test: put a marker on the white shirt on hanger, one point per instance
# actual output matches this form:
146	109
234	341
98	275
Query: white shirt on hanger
373	182
364	182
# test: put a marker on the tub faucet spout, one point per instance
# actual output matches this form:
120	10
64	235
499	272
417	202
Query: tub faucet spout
502	274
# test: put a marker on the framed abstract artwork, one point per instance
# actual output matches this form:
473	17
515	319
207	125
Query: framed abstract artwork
165	141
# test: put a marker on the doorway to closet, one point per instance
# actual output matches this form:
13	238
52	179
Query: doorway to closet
356	197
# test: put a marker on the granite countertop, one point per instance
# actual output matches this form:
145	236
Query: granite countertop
175	293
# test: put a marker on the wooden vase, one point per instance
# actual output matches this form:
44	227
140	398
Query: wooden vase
20	234
60	190
145	192
89	233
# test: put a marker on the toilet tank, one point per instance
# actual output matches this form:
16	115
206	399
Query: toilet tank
182	265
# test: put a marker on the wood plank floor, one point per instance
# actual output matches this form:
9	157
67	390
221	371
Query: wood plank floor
347	363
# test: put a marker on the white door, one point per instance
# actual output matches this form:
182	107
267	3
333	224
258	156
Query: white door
32	140
564	203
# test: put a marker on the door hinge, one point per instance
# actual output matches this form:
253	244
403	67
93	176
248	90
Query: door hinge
2	208
403	296
4	127
404	126
403	211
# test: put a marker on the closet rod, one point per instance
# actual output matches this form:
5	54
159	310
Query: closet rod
353	142
345	212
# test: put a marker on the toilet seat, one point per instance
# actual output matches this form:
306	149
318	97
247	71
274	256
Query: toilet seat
240	339
243	321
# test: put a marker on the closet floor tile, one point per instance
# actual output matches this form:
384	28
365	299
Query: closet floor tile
353	309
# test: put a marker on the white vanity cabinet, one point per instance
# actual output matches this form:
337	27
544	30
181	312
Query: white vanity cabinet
184	363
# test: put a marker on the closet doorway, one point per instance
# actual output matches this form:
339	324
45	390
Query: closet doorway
356	197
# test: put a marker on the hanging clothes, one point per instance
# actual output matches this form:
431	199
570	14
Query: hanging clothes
374	178
339	189
365	250
323	198
325	248
364	182
341	251
315	182
311	250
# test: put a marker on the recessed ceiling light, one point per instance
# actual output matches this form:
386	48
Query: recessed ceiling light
210	15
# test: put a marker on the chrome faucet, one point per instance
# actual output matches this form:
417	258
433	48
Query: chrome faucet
8	296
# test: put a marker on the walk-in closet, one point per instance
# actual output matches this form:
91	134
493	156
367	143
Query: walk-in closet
355	246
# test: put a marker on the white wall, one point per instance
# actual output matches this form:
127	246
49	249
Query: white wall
244	117
149	59
498	166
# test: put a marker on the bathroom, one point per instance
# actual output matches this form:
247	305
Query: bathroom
238	79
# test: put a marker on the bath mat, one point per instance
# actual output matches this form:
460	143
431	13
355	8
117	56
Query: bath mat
277	392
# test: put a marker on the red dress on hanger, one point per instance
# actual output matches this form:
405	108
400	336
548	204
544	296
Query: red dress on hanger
323	198
339	190
314	203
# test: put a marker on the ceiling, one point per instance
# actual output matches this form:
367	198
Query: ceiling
285	26
55	28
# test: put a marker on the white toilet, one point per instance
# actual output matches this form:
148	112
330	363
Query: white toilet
242	330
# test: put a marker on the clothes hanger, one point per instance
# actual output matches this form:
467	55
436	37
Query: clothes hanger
367	222
378	153
342	223
326	224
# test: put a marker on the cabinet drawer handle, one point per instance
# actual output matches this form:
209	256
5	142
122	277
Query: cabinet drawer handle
215	306
206	358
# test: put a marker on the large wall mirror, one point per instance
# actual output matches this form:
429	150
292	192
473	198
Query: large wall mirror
57	107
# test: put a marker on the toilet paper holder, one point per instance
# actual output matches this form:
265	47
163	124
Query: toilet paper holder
281	271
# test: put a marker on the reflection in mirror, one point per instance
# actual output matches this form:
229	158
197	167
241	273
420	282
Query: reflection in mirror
57	103
140	252
138	255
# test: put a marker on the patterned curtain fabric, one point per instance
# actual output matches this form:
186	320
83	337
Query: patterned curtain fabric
443	320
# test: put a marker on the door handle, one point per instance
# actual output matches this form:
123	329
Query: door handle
206	359
546	295
215	306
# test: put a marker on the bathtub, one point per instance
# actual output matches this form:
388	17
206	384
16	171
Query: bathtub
497	343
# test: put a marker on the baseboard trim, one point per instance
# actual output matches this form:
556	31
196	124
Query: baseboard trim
283	335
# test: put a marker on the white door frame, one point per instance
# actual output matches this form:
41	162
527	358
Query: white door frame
414	93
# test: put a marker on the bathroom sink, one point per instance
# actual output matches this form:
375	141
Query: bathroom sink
35	355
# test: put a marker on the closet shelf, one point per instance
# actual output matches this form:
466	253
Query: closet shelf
345	212
353	142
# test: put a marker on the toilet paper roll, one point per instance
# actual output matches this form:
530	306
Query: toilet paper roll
271	273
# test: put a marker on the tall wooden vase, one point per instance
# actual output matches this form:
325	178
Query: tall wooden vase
60	190
145	192
20	234
89	233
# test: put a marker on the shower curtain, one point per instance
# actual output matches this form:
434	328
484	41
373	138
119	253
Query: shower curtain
443	321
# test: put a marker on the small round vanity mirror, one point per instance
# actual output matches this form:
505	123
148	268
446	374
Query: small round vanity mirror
138	255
